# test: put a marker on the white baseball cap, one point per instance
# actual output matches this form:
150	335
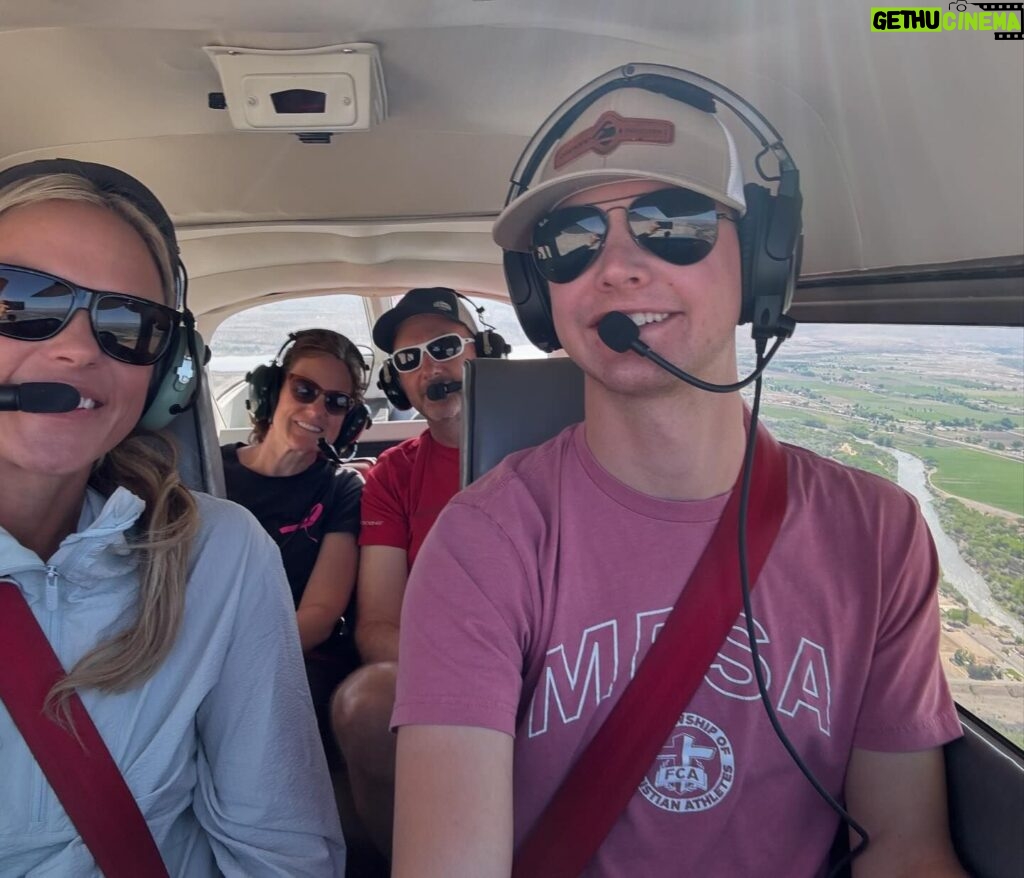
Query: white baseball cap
629	134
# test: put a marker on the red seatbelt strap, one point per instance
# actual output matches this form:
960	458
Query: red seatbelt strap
608	773
81	771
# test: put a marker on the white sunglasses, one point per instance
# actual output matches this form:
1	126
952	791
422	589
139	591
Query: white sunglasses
444	347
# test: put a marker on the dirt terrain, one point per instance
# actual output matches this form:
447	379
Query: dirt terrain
996	701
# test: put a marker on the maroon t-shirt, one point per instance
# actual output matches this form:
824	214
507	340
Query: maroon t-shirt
544	584
405	492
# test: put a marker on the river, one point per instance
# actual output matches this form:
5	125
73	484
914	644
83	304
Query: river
965	579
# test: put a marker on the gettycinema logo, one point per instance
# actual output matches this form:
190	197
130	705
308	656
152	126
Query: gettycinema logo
1002	19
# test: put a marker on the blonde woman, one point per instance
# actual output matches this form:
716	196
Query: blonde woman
169	610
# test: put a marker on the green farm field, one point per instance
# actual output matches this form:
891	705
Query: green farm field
973	475
909	404
792	413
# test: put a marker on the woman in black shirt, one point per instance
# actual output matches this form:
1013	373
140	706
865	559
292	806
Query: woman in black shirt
305	406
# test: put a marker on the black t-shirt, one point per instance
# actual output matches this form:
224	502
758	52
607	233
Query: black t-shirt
297	510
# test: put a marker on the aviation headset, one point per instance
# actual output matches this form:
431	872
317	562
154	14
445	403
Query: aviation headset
176	376
487	344
265	383
769	233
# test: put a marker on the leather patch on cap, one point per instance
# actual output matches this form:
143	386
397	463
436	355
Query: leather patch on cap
609	131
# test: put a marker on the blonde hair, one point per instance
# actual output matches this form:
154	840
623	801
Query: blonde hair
145	464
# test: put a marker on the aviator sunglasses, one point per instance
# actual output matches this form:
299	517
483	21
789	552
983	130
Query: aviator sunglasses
35	306
304	392
676	225
442	348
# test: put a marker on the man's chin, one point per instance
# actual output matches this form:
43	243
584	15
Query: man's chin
630	376
442	409
640	386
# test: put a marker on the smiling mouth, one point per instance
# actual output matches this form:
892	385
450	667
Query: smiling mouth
642	318
309	428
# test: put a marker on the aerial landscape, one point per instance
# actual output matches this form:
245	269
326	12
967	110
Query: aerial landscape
941	412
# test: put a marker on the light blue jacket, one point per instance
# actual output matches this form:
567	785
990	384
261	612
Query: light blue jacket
220	746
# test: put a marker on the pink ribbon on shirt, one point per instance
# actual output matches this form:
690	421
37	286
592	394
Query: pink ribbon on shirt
311	518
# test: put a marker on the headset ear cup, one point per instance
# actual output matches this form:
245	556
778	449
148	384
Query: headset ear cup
175	380
357	420
490	346
794	272
387	380
770	249
264	386
531	299
751	238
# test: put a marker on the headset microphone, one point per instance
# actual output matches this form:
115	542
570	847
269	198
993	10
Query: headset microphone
440	391
327	450
621	334
45	397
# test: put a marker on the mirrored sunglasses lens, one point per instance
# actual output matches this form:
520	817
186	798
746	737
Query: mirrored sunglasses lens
678	226
32	307
445	348
302	391
566	241
131	330
336	402
407	359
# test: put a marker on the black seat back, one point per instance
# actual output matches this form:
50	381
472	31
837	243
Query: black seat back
514	404
985	780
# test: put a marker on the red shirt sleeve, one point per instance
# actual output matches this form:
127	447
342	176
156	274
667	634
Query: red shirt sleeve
907	703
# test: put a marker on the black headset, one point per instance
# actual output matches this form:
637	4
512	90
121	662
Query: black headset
487	344
769	233
265	383
177	375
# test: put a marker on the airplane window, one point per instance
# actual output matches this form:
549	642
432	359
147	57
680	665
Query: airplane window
254	336
502	316
940	410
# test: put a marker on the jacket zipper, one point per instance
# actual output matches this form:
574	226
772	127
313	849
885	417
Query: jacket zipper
52	596
51	590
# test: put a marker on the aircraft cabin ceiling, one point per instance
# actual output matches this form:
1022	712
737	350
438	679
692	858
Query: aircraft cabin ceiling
910	145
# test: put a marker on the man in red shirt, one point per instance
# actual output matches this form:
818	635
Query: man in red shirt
428	336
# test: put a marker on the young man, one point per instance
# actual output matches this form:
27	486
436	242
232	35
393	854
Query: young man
428	335
542	586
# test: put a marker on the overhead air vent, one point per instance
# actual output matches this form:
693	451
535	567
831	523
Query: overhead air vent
311	92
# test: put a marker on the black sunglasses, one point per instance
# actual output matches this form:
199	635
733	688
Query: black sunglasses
442	348
305	392
35	306
676	225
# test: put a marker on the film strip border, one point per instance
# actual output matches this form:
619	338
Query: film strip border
1005	7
